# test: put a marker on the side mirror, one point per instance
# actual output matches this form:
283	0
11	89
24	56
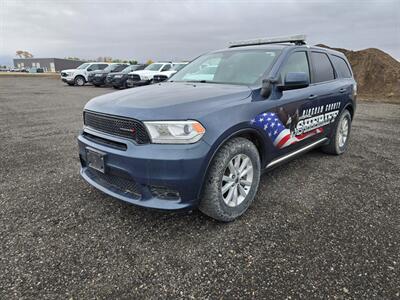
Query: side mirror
295	80
266	87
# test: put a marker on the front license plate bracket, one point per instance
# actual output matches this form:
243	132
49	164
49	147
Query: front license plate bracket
95	159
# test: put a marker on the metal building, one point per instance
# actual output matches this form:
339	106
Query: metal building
47	64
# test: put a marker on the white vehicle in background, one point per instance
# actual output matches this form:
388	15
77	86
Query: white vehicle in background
145	77
79	76
162	76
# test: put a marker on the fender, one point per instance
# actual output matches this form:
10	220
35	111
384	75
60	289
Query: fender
231	133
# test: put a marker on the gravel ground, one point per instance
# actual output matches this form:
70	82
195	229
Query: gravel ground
321	226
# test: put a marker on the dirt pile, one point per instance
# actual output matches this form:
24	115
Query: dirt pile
376	72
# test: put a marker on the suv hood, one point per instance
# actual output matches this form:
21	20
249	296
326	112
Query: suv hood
68	70
169	100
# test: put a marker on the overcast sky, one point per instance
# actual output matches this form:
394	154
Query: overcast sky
164	30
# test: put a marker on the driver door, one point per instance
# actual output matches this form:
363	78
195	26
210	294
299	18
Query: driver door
292	108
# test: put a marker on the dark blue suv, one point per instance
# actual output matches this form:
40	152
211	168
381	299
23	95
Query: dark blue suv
203	138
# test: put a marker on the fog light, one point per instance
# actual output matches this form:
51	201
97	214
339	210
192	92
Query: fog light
164	193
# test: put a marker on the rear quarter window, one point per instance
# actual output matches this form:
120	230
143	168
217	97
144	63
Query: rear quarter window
322	67
341	67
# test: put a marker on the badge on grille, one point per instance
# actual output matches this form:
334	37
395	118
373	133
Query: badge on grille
131	130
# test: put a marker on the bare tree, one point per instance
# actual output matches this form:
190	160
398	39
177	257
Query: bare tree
23	54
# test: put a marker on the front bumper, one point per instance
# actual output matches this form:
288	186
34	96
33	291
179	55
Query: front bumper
98	80
147	169
68	79
108	81
132	83
118	82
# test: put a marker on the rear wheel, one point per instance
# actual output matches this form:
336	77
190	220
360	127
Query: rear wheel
232	180
79	81
338	144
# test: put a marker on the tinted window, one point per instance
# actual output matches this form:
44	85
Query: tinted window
102	66
341	67
297	62
119	68
323	70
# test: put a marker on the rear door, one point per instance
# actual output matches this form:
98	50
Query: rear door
344	77
327	94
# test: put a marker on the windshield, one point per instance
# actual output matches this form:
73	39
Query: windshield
119	68
131	68
111	68
154	67
243	67
83	66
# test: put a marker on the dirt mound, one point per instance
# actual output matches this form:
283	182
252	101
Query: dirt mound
376	72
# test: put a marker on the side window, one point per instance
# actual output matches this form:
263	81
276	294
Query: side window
341	67
102	66
297	62
323	70
166	68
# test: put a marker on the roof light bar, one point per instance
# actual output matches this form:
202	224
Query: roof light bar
299	39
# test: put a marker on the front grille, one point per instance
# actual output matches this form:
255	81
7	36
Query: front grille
119	184
159	78
124	127
134	77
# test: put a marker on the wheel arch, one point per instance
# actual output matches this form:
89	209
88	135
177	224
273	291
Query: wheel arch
251	134
350	108
80	75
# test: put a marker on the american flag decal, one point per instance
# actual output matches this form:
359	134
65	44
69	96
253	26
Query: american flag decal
280	136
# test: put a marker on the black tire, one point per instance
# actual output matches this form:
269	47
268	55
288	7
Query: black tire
211	202
334	146
79	81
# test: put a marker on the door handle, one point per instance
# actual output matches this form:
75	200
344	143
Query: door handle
342	90
312	96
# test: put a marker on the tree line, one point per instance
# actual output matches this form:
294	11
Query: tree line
109	59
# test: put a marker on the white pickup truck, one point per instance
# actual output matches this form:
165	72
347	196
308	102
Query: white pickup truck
79	76
145	77
158	77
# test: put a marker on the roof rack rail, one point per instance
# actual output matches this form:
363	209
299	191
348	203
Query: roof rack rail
299	39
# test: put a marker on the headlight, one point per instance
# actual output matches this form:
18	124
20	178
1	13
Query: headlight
175	132
98	75
118	76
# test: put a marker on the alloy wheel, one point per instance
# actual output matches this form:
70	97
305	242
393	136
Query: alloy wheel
343	132
237	180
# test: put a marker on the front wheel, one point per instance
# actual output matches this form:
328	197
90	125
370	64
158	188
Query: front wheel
79	81
338	144
232	180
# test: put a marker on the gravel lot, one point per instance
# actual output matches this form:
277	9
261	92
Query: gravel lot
320	226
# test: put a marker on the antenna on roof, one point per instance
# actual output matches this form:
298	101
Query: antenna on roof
299	39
